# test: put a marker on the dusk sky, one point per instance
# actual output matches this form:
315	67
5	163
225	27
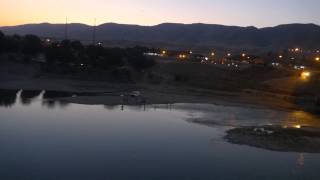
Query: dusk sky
260	13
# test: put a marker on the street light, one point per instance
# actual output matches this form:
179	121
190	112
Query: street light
305	74
317	58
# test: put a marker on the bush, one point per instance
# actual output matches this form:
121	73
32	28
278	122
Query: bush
1	41
123	73
31	45
136	58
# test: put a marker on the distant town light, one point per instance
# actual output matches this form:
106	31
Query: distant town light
317	58
305	74
164	52
182	56
297	49
190	52
280	56
229	54
243	55
213	54
297	126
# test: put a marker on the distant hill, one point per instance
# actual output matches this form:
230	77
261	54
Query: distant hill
182	35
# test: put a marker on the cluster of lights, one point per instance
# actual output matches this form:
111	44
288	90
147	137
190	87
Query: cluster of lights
205	60
295	49
299	67
275	64
151	54
182	56
233	64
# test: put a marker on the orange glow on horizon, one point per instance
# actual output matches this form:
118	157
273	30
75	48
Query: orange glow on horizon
142	12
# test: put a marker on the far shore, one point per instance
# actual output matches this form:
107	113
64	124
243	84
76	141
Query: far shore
110	93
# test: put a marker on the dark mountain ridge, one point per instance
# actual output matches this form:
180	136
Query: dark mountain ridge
182	35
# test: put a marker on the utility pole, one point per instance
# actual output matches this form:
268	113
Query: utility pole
66	29
94	32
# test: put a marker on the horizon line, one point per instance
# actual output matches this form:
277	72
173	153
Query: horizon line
297	23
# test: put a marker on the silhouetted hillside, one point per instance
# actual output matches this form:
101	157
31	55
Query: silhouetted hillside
182	35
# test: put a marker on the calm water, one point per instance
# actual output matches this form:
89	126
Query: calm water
43	140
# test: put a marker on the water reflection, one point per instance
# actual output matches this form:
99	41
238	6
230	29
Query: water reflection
57	94
27	96
236	116
299	119
52	104
111	107
8	97
102	142
300	159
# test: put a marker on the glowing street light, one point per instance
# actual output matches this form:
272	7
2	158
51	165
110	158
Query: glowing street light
164	52
317	58
305	74
182	56
297	126
280	57
297	49
229	54
213	54
243	55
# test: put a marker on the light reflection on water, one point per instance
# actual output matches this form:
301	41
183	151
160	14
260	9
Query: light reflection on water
235	116
43	139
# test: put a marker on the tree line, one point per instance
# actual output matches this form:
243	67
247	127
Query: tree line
74	54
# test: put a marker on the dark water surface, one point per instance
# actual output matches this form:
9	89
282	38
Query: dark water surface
48	140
